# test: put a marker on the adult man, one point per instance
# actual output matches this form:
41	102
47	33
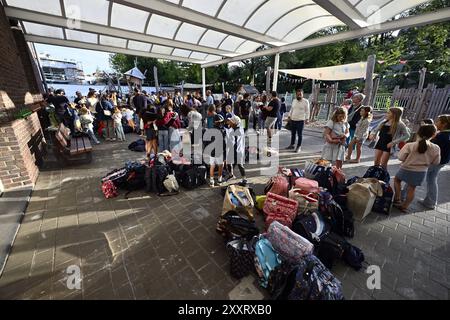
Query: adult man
272	112
354	114
140	104
78	98
177	102
209	98
245	107
227	101
298	115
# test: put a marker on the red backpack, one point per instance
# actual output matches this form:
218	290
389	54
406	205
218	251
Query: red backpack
109	189
278	184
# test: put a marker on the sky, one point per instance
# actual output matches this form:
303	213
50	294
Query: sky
89	59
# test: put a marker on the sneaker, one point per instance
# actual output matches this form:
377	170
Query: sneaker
426	205
220	180
298	150
211	182
291	147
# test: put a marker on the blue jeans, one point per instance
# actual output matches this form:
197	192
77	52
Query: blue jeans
279	124
350	137
432	185
297	129
163	140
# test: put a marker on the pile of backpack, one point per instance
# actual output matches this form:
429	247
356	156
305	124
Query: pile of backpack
160	175
304	234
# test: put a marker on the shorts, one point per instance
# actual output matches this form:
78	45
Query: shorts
270	122
151	134
412	178
215	161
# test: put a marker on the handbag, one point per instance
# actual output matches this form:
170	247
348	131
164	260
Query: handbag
278	184
238	198
107	113
307	202
289	125
242	255
279	208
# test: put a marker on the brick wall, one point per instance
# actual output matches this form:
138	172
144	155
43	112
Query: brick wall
18	90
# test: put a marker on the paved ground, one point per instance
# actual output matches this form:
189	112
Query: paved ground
147	247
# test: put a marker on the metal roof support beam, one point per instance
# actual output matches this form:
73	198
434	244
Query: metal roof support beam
409	22
96	47
52	20
344	12
170	10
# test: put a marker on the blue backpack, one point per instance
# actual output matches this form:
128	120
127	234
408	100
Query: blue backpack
266	260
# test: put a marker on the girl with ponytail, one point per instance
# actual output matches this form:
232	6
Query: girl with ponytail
416	157
442	139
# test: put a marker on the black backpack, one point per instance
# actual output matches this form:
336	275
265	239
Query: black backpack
340	219
138	145
232	226
331	249
191	177
307	227
379	173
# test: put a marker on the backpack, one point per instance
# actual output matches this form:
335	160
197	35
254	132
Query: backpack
159	174
137	146
313	281
339	217
117	176
242	257
191	177
171	183
332	179
109	189
233	225
266	260
331	249
311	227
379	173
353	256
384	204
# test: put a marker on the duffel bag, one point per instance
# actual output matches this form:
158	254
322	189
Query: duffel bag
287	243
238	198
242	257
313	281
117	176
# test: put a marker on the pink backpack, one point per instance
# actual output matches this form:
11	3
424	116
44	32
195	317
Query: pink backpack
279	208
109	189
307	185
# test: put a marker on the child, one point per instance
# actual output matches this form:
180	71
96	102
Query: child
391	132
151	132
235	148
215	121
442	139
87	120
361	134
415	157
118	128
336	132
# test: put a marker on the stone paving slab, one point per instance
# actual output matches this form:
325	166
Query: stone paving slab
146	247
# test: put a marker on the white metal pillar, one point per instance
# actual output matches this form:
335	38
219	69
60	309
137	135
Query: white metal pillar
275	72
204	83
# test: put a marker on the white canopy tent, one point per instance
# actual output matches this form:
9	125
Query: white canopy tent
207	32
335	73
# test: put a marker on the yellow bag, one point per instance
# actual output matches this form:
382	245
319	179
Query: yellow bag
238	199
260	200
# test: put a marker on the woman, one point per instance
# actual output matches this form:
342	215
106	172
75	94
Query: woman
389	133
104	111
174	134
163	129
442	139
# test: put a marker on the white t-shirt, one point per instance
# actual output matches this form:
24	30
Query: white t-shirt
117	117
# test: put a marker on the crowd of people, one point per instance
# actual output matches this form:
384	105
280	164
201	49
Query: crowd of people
159	117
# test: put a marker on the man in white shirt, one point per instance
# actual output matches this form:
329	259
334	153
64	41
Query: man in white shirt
298	116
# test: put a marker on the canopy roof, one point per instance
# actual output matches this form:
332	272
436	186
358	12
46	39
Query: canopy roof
335	73
198	31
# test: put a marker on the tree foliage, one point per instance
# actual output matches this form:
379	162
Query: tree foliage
413	44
